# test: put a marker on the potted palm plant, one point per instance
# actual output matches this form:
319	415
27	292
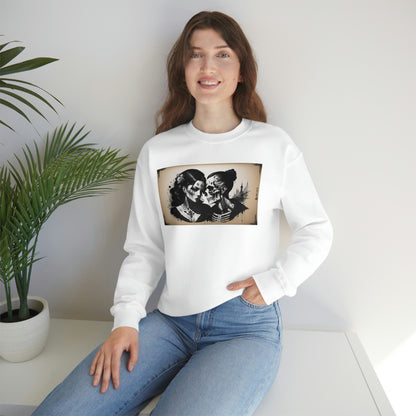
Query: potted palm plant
64	168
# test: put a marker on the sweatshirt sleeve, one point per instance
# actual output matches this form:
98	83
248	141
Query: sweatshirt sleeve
143	267
311	235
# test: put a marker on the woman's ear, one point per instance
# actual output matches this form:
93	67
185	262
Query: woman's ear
240	78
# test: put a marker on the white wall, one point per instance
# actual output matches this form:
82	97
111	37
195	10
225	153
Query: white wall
337	75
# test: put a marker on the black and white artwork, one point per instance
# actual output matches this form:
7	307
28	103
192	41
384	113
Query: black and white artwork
210	193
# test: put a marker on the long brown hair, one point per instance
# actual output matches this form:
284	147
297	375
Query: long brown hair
179	106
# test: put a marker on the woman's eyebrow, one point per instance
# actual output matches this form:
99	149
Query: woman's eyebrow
215	47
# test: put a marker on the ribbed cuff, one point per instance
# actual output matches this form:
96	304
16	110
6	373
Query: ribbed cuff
273	284
126	318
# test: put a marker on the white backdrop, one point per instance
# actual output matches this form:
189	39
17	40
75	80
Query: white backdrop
338	76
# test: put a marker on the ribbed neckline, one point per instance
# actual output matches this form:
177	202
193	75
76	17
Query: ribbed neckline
244	126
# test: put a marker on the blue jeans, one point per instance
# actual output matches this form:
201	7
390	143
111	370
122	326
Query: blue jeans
218	362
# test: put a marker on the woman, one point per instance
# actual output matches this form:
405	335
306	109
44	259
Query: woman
213	345
186	204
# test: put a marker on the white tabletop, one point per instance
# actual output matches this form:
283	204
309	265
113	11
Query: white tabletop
321	373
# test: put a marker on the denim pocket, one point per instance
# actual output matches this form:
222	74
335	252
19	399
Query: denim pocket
264	321
253	305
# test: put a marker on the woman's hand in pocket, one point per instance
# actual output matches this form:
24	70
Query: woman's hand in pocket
251	291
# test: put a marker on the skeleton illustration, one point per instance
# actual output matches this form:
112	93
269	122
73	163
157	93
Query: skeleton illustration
214	190
218	187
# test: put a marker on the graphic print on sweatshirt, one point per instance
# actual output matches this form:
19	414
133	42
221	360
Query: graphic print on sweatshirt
220	193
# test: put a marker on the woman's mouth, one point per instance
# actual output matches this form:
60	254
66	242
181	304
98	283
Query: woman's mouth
208	83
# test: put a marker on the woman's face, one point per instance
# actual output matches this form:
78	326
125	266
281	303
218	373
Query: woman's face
194	191
213	69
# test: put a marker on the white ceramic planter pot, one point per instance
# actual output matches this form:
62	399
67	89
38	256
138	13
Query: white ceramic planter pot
22	341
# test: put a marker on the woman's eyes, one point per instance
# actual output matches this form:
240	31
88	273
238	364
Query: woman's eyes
220	55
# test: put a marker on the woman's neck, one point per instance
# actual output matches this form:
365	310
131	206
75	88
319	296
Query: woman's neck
215	119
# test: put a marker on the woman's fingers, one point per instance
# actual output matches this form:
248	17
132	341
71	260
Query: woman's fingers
115	368
98	369
94	364
241	284
106	364
134	355
251	291
253	295
106	373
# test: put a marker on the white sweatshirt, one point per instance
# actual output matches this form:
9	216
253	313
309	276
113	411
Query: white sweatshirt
205	209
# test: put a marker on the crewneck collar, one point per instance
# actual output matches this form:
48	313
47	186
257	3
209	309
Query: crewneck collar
237	131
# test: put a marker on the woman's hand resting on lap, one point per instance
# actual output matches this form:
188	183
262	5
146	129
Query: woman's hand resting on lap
106	363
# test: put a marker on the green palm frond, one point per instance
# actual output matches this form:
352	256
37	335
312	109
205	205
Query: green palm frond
10	54
14	88
67	170
39	182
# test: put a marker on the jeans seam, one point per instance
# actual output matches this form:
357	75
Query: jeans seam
279	319
119	412
260	387
179	334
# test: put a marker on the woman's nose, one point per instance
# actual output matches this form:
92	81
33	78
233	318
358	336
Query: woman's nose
208	64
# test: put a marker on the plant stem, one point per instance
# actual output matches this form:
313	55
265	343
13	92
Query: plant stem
9	300
32	260
24	308
22	293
